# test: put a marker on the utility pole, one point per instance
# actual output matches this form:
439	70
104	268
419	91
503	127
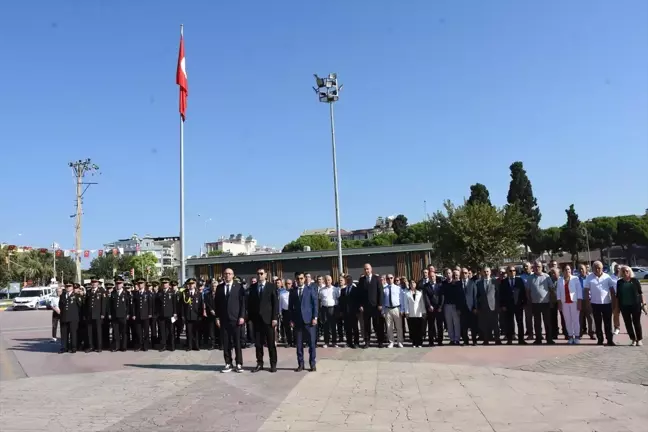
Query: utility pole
80	169
55	247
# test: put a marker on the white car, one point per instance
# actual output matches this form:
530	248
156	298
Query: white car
32	298
640	272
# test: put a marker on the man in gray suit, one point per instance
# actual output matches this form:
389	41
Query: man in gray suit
488	307
469	314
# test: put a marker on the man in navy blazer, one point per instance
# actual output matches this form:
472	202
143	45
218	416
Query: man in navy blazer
302	305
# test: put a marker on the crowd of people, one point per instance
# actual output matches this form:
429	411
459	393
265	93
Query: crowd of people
470	307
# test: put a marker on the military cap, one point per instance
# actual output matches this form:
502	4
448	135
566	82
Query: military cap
87	285
94	280
119	279
140	280
67	284
155	283
190	280
76	285
174	283
109	284
165	279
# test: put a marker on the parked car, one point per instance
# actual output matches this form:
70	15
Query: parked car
32	298
640	272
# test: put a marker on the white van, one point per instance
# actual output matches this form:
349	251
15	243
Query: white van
31	298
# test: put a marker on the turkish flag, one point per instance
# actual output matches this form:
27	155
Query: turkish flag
59	253
181	78
100	251
86	254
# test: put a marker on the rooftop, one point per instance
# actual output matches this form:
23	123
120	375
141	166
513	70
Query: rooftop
376	250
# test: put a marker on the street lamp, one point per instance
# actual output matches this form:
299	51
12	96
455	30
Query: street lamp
589	257
205	234
328	91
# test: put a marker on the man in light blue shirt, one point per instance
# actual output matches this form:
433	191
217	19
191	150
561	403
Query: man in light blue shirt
393	307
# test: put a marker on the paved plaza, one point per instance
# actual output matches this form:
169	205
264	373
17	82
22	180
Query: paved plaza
495	388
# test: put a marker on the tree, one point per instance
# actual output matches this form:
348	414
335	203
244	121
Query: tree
602	231
520	194
315	242
631	230
399	225
352	244
551	241
479	194
572	234
385	239
170	272
477	234
420	232
140	263
215	253
109	265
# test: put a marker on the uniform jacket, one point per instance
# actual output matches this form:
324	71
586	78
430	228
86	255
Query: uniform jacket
142	305
70	307
95	304
166	304
120	304
192	306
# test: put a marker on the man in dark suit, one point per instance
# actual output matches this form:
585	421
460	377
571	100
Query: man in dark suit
209	315
433	305
230	313
371	292
303	310
513	301
141	313
70	307
350	307
119	311
263	311
488	307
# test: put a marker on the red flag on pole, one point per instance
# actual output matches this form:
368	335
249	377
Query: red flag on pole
86	254
181	77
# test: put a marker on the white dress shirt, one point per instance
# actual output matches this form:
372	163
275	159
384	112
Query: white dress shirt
329	296
396	298
284	296
600	288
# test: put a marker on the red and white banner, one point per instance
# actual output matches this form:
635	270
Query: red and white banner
100	252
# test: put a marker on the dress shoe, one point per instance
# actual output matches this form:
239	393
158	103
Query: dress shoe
61	351
313	369
258	368
300	368
273	369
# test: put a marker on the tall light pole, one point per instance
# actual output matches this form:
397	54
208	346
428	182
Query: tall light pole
55	247
328	91
80	169
589	256
205	234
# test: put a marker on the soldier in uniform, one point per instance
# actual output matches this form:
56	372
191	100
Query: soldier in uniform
166	311
119	310
81	330
95	306
70	307
177	326
106	324
130	324
153	289
142	312
192	309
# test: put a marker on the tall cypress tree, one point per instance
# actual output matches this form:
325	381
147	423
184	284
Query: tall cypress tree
479	195
520	194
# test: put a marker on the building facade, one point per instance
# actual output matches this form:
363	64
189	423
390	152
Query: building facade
400	260
166	249
238	245
383	226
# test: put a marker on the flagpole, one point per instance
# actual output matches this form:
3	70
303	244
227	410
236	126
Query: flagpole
182	200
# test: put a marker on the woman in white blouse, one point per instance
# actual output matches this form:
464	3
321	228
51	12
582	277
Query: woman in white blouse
570	296
415	313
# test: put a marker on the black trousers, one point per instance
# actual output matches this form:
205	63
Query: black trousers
231	335
191	332
351	327
286	330
120	335
82	341
339	321
489	326
154	331
94	329
130	333
541	314
177	328
509	319
416	329
55	323
105	333
603	319
435	322
265	334
142	326
69	332
632	320
553	314
373	315
166	328
212	331
329	320
586	320
468	320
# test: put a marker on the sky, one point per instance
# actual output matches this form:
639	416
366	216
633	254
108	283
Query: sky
438	95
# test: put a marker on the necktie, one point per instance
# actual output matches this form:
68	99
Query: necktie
391	303
261	289
227	289
300	293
